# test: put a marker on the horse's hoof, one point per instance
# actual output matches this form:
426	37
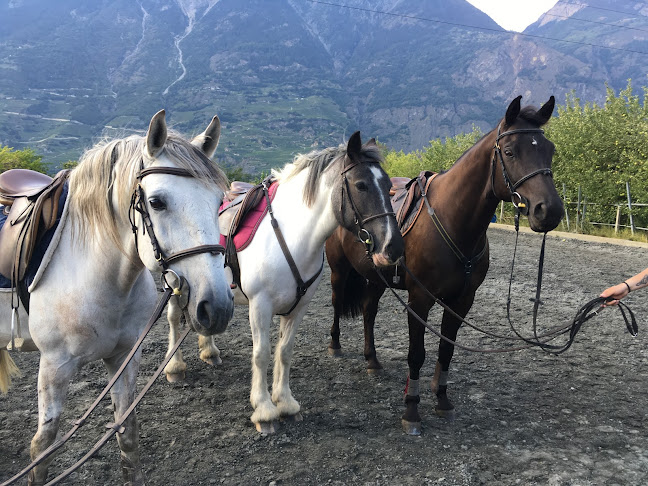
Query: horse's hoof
293	418
266	427
175	377
411	428
375	371
335	352
448	414
213	361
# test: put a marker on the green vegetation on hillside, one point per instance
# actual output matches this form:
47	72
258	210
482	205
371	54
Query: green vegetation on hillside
20	159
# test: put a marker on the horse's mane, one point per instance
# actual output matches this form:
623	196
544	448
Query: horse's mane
316	162
108	171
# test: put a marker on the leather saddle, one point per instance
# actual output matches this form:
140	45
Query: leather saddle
31	201
407	198
237	203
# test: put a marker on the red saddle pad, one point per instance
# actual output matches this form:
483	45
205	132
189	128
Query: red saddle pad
251	221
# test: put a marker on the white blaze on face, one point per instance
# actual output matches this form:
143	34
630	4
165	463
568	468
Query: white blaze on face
378	176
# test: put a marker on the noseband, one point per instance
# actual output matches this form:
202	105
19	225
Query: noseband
522	204
363	235
138	204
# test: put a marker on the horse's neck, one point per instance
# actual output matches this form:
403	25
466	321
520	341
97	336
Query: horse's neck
305	227
100	260
467	188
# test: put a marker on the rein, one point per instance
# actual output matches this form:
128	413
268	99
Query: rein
118	425
81	421
585	313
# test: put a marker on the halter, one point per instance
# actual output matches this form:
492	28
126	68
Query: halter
522	205
363	235
138	204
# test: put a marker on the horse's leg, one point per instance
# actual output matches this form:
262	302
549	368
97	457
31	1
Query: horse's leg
338	282
265	412
209	353
176	368
53	381
281	394
449	327
370	310
123	394
416	356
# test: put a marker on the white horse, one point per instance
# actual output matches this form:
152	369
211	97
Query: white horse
342	185
95	291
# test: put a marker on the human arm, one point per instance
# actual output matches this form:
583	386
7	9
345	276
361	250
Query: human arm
619	291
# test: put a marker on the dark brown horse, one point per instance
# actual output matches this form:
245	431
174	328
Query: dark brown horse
511	163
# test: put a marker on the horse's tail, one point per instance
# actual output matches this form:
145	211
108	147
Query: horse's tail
8	370
354	293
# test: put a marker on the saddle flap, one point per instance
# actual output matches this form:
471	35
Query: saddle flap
28	219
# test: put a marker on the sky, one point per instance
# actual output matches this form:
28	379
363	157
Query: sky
514	14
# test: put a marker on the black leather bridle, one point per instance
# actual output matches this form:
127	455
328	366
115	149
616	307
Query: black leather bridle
522	204
138	204
363	235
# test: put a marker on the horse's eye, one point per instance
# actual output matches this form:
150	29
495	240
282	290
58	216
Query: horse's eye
508	152
157	204
361	186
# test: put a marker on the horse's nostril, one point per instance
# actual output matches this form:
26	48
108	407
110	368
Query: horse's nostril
204	313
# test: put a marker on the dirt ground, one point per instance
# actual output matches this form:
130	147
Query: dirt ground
524	418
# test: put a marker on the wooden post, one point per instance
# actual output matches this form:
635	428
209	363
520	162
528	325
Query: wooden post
502	212
565	206
584	209
578	208
618	219
632	226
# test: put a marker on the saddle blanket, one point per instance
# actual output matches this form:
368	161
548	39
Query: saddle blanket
250	223
41	248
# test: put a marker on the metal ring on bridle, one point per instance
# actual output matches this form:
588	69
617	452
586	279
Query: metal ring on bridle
520	203
368	241
167	285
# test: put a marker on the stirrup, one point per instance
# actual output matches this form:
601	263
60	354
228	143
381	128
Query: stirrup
16	342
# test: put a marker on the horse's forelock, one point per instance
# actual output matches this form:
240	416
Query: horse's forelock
530	114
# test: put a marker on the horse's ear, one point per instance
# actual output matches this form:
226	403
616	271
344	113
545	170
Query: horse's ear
157	134
545	112
513	111
371	143
355	145
207	141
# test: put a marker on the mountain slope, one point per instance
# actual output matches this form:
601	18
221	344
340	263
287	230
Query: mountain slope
286	75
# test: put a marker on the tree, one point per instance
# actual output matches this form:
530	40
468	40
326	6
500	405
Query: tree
599	148
20	159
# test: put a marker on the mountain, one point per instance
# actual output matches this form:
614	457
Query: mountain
286	76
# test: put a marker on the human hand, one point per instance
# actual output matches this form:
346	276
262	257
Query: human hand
615	293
